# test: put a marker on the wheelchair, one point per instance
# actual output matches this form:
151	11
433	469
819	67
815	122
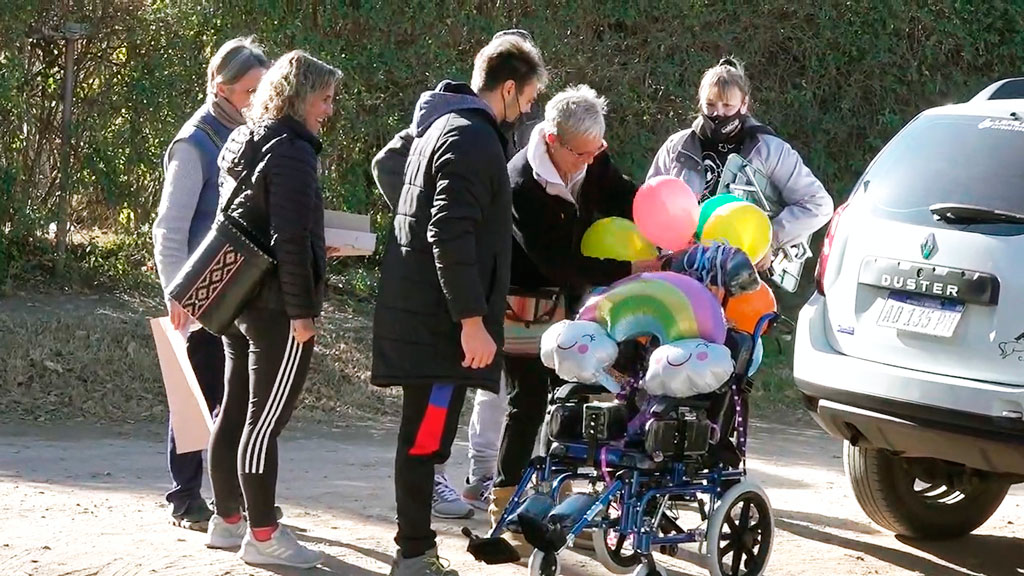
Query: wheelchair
644	460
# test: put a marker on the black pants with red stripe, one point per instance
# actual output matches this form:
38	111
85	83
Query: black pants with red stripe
265	371
430	420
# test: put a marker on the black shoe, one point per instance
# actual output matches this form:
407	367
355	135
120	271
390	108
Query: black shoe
194	516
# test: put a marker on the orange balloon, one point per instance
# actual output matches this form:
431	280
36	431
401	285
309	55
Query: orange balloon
745	310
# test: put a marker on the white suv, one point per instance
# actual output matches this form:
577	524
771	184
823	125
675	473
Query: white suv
912	349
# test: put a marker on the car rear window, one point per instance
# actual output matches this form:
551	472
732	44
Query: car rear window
970	160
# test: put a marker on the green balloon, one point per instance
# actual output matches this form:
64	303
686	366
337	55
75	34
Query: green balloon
709	206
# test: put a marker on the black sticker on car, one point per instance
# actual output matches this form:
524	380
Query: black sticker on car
1013	348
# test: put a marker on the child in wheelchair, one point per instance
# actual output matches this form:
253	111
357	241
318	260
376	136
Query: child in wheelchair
654	415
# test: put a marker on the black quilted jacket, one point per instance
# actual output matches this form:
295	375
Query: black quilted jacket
282	206
449	251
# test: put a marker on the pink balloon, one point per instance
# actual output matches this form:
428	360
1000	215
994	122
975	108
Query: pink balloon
665	211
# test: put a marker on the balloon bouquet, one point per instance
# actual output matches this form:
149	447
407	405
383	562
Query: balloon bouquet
710	283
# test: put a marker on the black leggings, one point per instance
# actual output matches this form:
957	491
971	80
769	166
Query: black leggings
529	385
265	370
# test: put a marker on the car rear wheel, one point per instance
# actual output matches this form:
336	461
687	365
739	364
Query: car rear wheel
920	498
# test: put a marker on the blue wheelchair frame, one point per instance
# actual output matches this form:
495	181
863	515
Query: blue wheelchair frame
634	474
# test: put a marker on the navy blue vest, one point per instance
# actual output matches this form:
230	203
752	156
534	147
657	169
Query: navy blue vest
207	134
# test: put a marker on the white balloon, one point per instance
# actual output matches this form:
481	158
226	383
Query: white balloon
579	351
687	368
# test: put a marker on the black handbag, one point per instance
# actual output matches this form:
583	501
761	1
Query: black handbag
225	271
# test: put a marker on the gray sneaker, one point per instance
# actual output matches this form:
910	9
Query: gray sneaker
430	564
478	492
447	502
282	549
222	535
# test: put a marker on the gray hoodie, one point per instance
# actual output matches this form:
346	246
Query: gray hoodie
388	166
799	204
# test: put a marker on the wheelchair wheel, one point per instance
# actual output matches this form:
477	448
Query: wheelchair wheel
610	549
544	564
643	570
741	532
616	551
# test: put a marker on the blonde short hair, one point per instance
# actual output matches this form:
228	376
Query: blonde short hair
724	77
288	85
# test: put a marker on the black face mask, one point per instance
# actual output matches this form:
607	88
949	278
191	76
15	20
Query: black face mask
721	129
510	129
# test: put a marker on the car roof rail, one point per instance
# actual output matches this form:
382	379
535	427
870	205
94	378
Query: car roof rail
1008	89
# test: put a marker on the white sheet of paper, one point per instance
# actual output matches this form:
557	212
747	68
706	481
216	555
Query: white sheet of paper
190	417
351	233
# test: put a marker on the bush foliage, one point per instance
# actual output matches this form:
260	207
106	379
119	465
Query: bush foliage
835	78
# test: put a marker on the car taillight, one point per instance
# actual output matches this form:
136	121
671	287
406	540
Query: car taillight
826	248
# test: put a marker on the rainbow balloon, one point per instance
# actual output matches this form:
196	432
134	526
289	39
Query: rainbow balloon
667	305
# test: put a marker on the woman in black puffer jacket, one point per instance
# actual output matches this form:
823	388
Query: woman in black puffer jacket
268	353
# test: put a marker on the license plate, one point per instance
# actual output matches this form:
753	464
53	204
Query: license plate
920	314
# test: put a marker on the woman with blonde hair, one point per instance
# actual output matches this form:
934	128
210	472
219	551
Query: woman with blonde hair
798	203
274	158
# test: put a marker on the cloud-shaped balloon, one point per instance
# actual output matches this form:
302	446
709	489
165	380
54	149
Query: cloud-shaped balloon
580	351
687	368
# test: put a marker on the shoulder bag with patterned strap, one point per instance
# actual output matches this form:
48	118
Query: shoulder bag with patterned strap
227	268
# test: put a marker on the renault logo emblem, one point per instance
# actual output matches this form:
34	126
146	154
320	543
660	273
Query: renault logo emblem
929	247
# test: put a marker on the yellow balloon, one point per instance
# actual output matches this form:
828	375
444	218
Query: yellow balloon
617	239
741	225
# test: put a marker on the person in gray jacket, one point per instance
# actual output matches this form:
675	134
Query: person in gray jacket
798	203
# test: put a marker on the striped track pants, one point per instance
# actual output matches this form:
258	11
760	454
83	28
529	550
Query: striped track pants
265	372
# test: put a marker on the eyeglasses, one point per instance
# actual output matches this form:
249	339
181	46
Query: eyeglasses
584	155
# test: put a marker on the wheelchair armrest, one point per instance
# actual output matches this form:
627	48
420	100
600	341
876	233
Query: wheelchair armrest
741	345
576	389
666	405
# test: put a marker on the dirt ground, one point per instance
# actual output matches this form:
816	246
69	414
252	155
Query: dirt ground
82	500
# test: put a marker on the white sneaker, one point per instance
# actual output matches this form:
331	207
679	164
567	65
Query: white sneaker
221	535
282	549
478	492
447	502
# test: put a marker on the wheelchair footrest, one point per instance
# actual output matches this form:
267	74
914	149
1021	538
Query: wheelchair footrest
495	550
543	536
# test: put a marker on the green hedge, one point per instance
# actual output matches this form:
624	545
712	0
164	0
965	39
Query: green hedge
835	78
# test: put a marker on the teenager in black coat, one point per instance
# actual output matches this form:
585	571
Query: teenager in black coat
445	273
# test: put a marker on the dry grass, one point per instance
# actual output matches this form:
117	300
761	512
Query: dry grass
92	358
775	396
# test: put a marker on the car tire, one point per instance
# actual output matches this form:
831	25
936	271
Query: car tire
893	497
